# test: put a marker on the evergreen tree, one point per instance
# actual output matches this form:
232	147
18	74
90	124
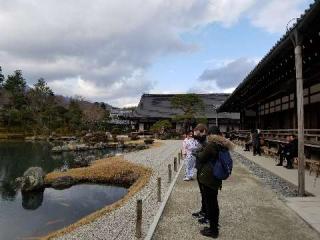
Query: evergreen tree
16	85
1	77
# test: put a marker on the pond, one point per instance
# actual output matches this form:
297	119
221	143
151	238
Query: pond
36	214
17	157
24	216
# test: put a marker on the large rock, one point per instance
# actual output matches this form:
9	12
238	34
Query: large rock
63	182
33	179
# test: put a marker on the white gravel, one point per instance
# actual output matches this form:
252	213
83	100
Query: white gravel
120	224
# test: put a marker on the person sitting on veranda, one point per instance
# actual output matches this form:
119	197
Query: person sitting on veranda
248	143
282	151
292	151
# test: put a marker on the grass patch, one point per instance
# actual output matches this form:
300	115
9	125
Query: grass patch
116	171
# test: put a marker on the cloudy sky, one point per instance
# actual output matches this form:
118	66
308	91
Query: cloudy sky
115	50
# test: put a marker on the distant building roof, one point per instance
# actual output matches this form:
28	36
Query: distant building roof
159	106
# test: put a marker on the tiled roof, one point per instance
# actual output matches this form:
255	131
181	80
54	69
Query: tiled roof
302	22
159	106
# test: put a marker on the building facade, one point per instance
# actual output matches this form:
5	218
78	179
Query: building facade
266	98
155	107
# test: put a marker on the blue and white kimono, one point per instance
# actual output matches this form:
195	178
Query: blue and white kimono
190	145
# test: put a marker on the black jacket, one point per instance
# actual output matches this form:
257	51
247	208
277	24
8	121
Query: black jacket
210	153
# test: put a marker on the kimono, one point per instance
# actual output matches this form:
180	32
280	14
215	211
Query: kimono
190	146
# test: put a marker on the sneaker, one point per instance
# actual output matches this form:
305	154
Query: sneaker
198	214
208	232
203	220
187	179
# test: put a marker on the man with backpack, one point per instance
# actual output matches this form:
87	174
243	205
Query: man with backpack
214	165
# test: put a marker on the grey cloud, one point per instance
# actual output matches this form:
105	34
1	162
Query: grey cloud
229	75
102	42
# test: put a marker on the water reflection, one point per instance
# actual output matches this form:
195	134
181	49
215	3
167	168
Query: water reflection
32	200
51	209
17	157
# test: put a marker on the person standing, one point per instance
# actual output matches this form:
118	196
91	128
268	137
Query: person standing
206	158
190	145
200	134
256	143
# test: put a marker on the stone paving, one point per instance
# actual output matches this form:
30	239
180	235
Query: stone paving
307	208
249	210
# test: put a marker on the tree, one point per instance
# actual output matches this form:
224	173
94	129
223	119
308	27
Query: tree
103	106
41	102
190	105
74	114
1	77
16	86
93	115
202	120
161	126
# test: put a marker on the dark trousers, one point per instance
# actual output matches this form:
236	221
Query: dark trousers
256	149
290	162
281	153
212	206
201	187
247	146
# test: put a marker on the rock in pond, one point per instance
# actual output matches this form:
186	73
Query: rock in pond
63	182
33	179
141	147
82	161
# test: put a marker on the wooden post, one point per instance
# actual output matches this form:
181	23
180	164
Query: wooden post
175	166
300	115
139	219
169	173
159	189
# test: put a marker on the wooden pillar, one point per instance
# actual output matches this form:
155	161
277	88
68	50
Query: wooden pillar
300	118
175	166
169	173
139	219
159	189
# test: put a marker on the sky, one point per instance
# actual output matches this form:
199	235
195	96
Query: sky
116	50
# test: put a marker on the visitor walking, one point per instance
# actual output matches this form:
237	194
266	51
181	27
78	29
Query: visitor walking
207	158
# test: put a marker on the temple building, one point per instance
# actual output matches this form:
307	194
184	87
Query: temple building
155	107
266	98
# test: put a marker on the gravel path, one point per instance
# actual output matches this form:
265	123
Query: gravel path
249	210
120	224
282	187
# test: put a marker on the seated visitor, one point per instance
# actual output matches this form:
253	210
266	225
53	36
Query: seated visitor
292	150
248	143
